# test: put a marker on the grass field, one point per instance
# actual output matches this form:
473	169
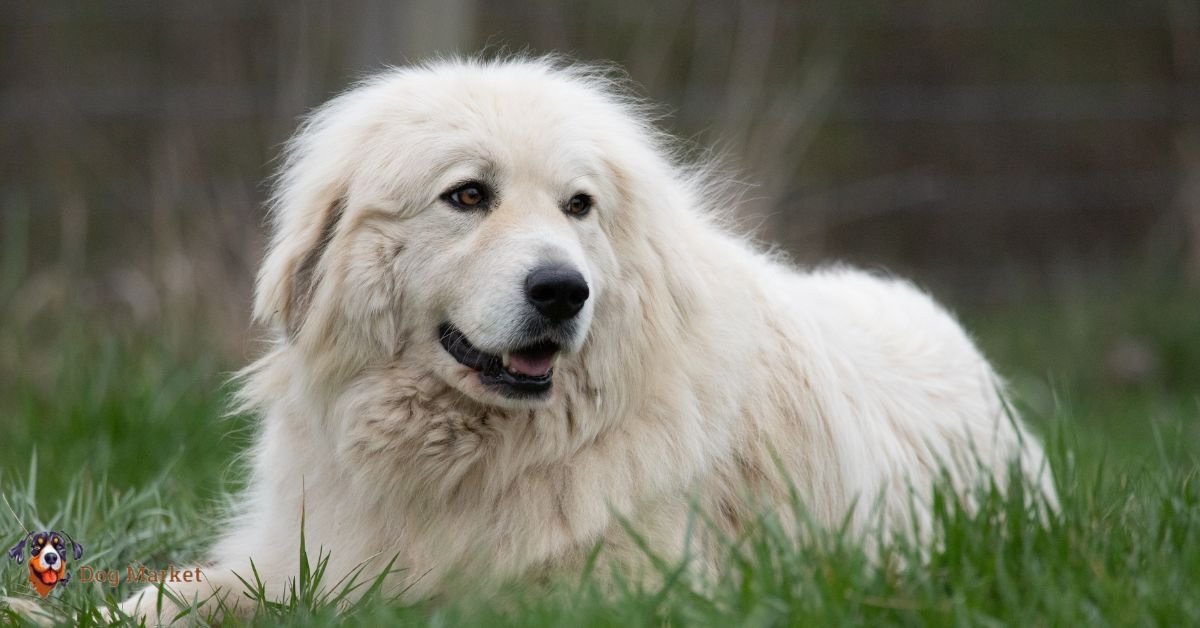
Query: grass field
118	437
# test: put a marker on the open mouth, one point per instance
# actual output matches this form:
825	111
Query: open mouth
522	372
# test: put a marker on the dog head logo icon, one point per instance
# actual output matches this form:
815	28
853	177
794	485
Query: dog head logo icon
48	558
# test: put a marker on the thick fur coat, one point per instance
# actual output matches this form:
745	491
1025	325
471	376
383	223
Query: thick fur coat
700	372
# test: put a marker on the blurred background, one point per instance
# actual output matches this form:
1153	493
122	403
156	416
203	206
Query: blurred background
1035	164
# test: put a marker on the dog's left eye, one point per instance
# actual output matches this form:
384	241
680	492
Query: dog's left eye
579	205
471	195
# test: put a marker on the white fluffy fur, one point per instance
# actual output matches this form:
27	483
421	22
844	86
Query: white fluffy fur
701	366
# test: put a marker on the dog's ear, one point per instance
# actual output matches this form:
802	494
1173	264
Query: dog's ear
309	198
76	549
322	163
289	273
306	207
17	552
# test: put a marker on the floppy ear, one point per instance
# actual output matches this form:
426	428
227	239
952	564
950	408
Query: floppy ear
290	271
306	206
17	552
311	193
76	549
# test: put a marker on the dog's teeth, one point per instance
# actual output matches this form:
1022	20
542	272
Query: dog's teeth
505	358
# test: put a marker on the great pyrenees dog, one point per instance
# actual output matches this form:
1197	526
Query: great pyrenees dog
508	326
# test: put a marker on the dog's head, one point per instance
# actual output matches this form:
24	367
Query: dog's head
467	218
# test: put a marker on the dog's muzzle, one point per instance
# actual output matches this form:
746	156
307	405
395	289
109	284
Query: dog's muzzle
524	372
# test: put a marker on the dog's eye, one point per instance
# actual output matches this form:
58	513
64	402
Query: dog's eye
578	205
472	195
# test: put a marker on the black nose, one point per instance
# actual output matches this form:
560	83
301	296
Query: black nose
51	559
557	292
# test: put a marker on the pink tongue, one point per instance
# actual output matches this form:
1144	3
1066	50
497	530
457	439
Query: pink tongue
531	365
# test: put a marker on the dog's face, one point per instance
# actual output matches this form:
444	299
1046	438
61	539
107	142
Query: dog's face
499	273
47	552
461	221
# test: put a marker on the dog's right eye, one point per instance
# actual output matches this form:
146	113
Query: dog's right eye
472	195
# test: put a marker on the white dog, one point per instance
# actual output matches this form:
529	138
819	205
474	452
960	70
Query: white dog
505	320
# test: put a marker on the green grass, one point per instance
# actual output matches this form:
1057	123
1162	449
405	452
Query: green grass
121	441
